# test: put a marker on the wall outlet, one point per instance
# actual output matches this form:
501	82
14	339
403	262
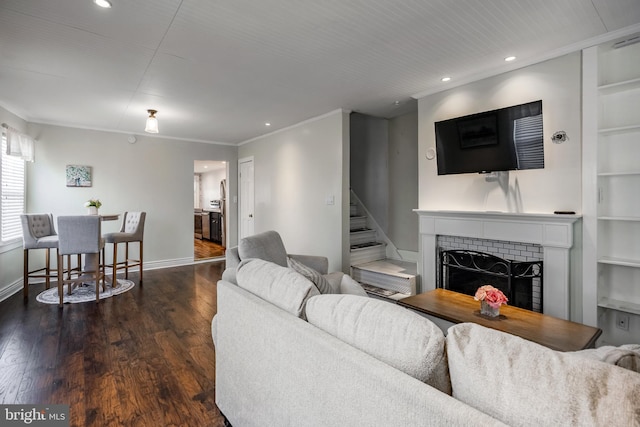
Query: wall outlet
622	321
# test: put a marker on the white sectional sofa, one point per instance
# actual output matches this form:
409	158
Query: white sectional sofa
287	355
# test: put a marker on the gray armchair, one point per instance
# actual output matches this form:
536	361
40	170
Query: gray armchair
80	235
267	246
131	230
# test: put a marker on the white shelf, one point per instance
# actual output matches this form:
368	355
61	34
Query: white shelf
620	218
613	304
631	173
619	86
619	129
633	263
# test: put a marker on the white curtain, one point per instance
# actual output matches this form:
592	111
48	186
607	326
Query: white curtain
20	145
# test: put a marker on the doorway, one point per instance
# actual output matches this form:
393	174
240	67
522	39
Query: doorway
209	209
246	184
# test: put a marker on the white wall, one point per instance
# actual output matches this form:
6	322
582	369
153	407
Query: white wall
153	175
210	186
556	187
296	170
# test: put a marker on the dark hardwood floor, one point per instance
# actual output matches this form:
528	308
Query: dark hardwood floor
205	249
142	358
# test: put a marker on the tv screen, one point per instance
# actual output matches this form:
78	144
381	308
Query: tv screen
506	139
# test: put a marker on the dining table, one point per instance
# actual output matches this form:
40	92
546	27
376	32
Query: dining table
89	259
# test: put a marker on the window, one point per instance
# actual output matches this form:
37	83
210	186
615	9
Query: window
12	195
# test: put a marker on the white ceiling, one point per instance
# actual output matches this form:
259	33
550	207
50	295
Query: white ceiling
218	70
204	166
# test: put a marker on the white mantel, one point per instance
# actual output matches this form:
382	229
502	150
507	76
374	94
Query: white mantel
555	233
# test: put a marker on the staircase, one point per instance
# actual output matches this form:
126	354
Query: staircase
380	276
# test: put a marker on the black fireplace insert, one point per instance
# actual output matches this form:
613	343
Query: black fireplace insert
465	271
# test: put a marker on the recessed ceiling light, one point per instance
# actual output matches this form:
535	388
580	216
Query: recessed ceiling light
103	3
509	58
267	124
446	79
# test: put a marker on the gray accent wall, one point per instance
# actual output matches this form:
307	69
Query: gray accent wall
370	165
403	181
384	173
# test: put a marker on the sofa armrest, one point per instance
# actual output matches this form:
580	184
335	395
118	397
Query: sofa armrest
232	259
318	263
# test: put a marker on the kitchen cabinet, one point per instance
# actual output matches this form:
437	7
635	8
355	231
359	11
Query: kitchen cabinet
216	227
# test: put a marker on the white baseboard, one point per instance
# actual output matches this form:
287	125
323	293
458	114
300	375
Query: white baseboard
11	289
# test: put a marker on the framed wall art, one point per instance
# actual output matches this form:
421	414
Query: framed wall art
78	176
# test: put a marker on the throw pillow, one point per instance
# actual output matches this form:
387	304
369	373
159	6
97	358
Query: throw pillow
350	286
626	356
318	279
281	286
523	383
388	332
334	278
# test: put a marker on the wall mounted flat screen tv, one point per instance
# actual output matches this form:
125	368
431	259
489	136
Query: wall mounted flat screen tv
500	140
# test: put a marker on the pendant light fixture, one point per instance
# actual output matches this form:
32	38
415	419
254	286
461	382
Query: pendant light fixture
152	122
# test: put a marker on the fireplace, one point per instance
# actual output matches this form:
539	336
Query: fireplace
465	271
555	234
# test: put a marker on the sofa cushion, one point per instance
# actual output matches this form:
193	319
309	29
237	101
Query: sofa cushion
343	284
318	279
388	332
625	356
267	246
523	383
281	286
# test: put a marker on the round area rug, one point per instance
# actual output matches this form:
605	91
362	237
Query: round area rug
84	293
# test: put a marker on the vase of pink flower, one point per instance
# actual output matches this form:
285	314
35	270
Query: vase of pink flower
490	300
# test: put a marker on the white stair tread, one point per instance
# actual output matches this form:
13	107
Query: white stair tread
361	230
367	245
391	267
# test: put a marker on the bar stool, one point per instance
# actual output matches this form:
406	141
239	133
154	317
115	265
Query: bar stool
38	232
131	230
80	235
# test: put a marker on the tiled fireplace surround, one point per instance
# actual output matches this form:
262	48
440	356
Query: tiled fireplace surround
504	234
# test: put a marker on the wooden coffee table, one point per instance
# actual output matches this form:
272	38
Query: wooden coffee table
552	332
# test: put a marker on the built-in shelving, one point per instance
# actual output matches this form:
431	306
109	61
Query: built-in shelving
619	218
614	304
619	129
631	173
612	206
621	86
619	261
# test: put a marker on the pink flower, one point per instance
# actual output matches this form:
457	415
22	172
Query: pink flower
493	296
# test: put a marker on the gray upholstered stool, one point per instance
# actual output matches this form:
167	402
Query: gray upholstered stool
131	230
38	232
80	235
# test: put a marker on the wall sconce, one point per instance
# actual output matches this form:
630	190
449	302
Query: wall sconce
152	122
559	137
